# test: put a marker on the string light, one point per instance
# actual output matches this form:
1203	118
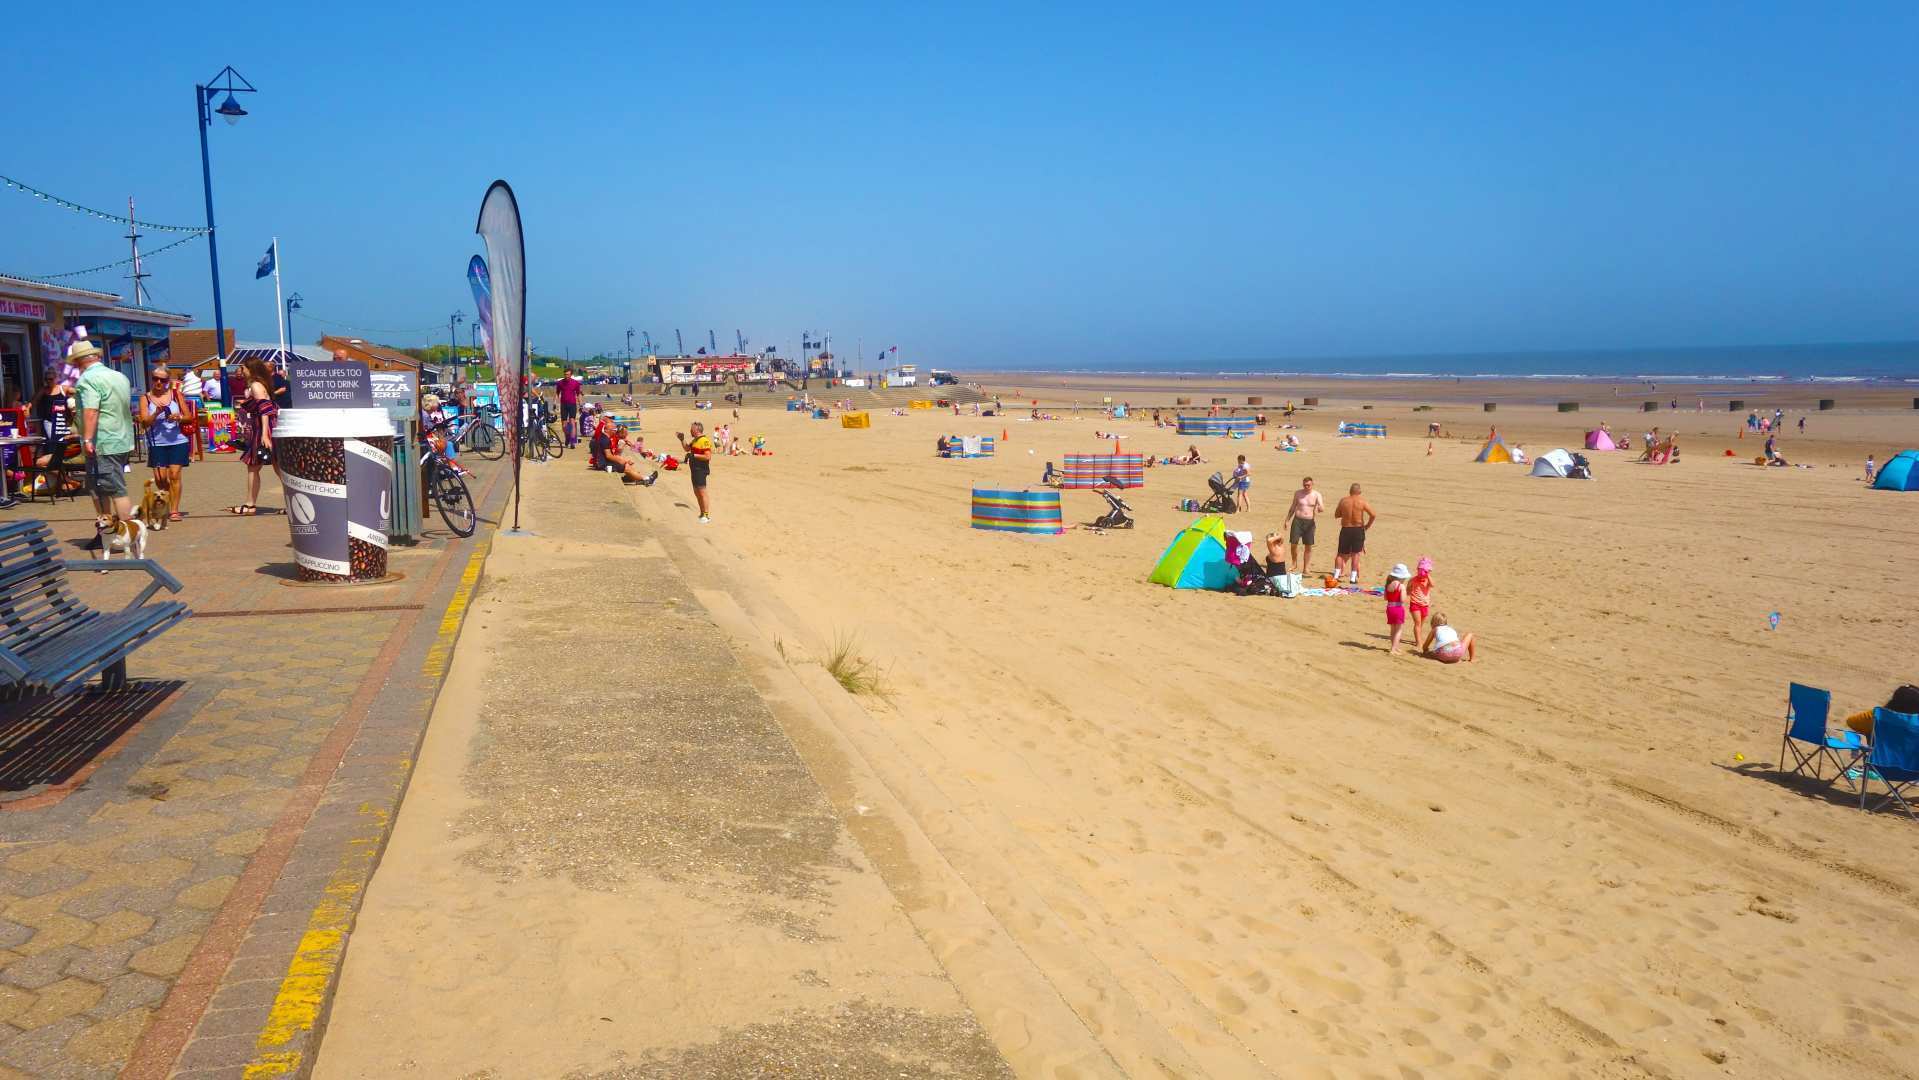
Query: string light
368	329
101	214
123	262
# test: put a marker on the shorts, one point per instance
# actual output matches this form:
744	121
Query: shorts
162	457
1242	485
1395	615
699	469
1304	529
1352	539
1420	611
107	474
1450	654
569	411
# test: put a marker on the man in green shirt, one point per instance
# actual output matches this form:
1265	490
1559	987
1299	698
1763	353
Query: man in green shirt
106	432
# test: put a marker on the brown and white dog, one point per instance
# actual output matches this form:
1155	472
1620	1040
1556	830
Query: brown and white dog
119	537
153	507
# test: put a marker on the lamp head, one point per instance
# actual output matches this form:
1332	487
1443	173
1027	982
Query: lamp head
230	108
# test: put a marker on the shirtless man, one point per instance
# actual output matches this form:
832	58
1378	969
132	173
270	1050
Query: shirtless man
1302	521
1355	516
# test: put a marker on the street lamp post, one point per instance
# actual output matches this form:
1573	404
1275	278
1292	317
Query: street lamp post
474	328
293	305
629	360
453	343
231	82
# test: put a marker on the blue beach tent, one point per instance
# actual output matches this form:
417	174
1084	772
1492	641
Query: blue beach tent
1901	473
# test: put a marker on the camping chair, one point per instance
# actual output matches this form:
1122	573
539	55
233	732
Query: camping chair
1807	708
1893	760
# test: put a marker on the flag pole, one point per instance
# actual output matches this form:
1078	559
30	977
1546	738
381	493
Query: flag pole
279	309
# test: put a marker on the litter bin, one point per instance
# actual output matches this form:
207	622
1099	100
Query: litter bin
337	467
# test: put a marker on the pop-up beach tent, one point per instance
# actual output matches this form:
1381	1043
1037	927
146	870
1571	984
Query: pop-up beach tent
1901	473
1495	451
1599	440
1554	463
1196	559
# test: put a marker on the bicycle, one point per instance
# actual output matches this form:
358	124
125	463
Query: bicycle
446	488
479	433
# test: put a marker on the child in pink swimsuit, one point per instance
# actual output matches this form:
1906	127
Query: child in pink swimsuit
1419	596
1396	605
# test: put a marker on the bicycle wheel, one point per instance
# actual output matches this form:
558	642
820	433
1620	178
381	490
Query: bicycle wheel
554	444
454	501
486	442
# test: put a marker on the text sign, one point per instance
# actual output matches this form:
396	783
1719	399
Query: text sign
338	384
23	309
395	390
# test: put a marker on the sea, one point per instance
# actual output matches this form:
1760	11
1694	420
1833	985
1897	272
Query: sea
1877	363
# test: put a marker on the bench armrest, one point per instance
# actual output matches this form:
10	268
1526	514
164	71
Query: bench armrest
161	579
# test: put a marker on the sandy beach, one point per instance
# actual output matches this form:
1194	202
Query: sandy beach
1234	838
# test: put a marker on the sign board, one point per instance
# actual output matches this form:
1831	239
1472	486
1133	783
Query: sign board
398	391
31	310
124	328
335	384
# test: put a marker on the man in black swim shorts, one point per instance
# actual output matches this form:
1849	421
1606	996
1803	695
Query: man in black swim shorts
1355	516
699	461
1303	518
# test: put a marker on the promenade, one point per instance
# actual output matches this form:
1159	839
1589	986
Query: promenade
178	867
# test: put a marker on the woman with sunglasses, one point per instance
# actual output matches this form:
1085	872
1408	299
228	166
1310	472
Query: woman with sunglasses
168	417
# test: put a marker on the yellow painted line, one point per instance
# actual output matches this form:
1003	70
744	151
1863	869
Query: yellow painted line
296	1008
441	654
316	960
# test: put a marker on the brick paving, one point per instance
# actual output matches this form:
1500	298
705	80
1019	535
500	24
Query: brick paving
150	914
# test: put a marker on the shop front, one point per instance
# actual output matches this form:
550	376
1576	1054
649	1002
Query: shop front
38	320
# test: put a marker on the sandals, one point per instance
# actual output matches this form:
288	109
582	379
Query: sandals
243	510
176	516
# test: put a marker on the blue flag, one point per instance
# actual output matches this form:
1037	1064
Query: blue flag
266	264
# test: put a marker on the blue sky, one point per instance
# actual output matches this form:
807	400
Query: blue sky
1014	184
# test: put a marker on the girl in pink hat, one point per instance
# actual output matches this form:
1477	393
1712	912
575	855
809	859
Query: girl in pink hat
1419	597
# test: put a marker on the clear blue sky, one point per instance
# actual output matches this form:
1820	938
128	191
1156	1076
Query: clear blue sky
996	185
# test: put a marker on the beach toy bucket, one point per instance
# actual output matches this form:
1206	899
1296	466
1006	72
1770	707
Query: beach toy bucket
337	468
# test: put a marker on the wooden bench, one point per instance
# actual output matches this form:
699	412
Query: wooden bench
50	642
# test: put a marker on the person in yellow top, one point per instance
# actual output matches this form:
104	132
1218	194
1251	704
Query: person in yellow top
699	461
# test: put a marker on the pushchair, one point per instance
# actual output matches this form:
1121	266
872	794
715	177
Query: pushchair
1221	500
1118	515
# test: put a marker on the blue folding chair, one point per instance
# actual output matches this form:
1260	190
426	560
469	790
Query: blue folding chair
1807	708
1893	760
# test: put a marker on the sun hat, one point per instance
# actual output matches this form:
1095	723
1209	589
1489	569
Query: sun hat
80	350
1425	564
1399	571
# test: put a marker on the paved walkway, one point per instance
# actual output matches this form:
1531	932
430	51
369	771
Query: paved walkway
613	862
175	866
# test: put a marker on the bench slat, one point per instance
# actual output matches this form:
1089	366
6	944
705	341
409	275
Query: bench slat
58	642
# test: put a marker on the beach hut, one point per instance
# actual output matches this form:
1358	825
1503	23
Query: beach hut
968	446
1033	513
1495	451
1196	559
1347	430
1901	472
1554	463
1083	471
1238	427
856	420
1596	439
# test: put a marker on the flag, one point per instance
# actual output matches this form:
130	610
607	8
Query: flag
482	301
266	264
499	227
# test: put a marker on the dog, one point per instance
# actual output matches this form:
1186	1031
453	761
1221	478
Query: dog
153	508
127	538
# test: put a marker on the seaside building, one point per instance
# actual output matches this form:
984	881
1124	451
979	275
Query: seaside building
38	320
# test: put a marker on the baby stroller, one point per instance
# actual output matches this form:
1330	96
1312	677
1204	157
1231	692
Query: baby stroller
1118	515
1221	500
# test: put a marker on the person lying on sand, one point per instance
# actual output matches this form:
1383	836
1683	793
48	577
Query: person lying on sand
1445	645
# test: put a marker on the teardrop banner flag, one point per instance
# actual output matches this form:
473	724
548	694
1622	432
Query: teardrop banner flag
499	226
482	283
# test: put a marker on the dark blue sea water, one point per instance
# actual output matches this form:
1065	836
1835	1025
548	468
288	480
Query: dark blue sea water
1880	363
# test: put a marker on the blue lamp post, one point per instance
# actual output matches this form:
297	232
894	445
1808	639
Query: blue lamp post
294	304
230	82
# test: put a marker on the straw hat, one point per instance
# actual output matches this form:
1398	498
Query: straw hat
80	350
1399	571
